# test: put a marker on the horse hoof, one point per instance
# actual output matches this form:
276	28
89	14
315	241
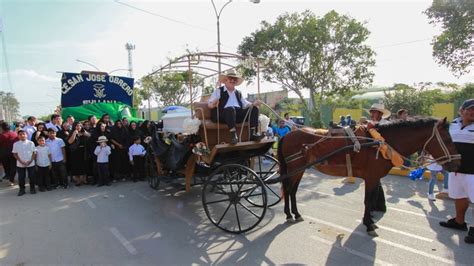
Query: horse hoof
290	220
372	233
299	219
374	226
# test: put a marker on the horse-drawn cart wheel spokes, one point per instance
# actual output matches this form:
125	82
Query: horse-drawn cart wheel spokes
230	199
267	168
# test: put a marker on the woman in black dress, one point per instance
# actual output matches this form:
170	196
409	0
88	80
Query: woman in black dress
77	148
40	131
120	162
133	131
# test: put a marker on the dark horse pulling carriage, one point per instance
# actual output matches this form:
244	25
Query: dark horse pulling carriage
240	181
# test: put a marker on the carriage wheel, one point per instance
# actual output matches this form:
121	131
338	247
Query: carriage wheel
225	198
267	168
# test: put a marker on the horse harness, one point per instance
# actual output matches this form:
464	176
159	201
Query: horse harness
356	146
348	135
447	157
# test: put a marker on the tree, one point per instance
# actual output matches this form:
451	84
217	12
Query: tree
172	88
416	101
460	95
454	46
10	107
325	55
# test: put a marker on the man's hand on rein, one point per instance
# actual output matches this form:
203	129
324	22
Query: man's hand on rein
257	103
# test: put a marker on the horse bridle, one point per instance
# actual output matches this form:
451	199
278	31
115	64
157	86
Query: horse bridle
447	156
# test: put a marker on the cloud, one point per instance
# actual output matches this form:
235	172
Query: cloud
29	73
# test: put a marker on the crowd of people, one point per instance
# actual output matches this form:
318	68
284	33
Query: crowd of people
56	154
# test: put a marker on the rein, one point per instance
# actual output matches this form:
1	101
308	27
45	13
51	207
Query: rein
447	156
325	157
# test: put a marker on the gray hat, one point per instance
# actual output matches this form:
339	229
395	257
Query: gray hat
102	139
467	104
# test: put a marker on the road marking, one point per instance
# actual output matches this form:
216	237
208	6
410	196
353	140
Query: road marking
378	239
130	248
417	214
141	195
91	204
401	232
351	251
391	208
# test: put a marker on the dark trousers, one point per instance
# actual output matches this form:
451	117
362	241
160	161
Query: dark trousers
9	165
103	173
138	168
43	178
22	176
59	174
234	115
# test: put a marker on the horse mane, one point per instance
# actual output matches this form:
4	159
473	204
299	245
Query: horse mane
413	123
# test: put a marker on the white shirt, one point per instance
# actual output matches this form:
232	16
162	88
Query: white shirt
460	134
232	101
55	148
102	153
381	122
53	126
42	158
290	123
30	130
136	149
24	150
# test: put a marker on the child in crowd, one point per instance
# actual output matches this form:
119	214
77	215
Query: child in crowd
434	170
136	153
102	151
43	163
24	152
57	149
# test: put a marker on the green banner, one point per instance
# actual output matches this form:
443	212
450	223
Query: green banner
115	110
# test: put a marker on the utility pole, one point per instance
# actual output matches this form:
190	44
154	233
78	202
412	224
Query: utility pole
129	48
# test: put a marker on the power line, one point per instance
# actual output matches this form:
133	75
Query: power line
402	43
161	16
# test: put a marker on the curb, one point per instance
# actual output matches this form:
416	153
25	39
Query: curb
405	172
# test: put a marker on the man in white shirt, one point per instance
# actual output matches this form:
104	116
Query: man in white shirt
288	122
55	123
230	107
461	183
24	152
57	148
378	116
30	128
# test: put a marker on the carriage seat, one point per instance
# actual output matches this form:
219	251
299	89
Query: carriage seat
203	113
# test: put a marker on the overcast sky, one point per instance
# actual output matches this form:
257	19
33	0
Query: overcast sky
43	37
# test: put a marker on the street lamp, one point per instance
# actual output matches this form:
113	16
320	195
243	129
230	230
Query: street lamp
218	16
120	69
87	63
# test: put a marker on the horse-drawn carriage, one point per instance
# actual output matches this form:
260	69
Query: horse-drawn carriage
235	178
240	181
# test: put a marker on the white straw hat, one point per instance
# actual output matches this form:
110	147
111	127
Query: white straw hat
102	139
381	108
231	74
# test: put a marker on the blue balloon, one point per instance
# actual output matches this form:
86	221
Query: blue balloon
417	174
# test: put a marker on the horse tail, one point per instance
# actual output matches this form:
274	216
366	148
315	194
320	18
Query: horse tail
281	159
285	184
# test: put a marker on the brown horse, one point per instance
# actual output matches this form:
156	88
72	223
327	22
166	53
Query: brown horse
300	149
